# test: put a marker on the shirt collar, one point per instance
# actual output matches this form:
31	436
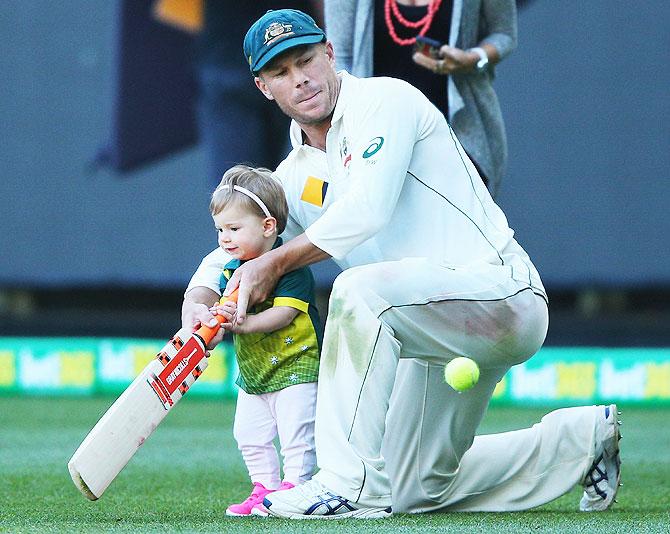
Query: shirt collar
346	87
234	264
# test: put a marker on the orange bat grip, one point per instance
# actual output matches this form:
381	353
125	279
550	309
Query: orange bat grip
206	333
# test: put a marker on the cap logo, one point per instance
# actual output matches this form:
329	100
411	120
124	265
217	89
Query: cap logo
277	30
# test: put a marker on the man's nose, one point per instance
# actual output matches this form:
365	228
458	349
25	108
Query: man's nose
300	78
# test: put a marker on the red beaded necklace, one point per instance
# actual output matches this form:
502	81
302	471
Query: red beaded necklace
391	8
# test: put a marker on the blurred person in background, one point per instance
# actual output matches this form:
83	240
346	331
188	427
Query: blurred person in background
377	38
236	124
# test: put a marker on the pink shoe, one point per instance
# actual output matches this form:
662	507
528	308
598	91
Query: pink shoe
259	509
252	505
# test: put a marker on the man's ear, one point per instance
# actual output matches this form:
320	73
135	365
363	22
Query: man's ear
269	226
330	52
263	88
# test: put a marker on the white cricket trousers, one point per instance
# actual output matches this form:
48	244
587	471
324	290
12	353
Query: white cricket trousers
288	413
385	419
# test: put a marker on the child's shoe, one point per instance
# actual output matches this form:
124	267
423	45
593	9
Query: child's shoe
250	505
260	510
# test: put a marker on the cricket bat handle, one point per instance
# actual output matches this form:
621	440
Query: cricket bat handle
207	333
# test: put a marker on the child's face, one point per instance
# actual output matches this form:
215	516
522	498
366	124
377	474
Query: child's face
243	235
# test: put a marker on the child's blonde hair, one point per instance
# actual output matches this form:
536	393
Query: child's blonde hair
258	181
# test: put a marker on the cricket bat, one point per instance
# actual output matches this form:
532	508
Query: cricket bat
140	409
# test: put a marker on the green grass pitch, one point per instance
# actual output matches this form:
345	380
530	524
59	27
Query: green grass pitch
190	470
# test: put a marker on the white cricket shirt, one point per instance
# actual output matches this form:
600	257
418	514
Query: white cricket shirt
393	183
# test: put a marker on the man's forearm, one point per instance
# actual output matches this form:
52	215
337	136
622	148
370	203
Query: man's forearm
196	301
257	278
201	295
296	253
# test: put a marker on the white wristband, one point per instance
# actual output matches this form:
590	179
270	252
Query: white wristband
483	58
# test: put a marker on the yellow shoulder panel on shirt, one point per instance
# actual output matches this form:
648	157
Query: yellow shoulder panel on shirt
314	191
291	302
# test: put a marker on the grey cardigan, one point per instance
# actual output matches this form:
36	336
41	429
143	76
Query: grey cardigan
474	112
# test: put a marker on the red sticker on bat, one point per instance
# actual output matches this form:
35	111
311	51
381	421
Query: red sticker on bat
188	357
160	391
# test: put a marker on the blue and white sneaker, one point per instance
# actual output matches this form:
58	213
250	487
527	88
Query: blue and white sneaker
602	481
312	500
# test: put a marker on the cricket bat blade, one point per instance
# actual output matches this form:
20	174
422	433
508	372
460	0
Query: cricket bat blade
129	422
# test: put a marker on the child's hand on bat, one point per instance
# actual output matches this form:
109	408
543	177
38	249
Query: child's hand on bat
227	310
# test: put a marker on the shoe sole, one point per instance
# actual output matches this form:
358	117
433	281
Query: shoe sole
612	452
234	514
370	513
259	511
255	512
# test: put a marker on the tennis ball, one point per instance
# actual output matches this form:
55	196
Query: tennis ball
461	373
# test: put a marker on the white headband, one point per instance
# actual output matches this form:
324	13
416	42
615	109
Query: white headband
251	195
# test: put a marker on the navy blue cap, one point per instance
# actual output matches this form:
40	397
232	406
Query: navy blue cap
277	31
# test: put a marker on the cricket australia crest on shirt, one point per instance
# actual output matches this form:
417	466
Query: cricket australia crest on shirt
344	152
277	30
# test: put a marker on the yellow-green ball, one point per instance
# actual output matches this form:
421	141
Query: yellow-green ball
461	373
